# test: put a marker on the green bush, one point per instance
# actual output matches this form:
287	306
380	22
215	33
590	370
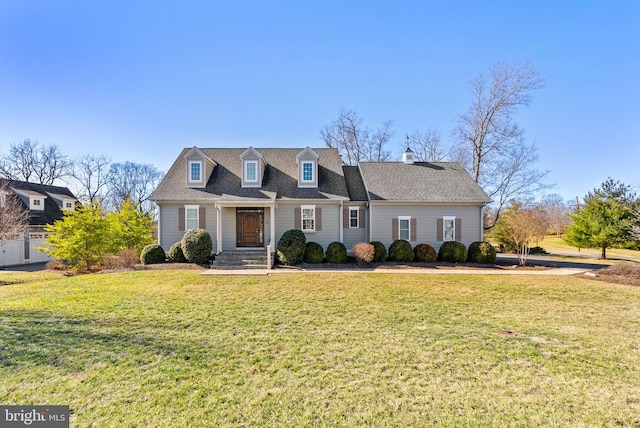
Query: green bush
197	246
425	253
175	254
401	251
336	253
481	252
291	247
313	253
152	254
380	254
452	252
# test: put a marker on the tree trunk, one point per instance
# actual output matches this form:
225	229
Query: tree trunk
604	253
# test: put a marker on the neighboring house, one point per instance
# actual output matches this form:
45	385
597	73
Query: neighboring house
46	204
249	198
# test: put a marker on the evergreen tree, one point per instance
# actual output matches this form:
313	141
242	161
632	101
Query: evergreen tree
130	228
605	220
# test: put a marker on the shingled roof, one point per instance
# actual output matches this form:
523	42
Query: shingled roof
437	182
52	210
280	178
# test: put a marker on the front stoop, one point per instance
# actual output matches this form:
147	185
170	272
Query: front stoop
241	259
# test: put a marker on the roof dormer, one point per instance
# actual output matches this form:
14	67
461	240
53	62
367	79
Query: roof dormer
253	166
36	200
65	202
199	167
307	161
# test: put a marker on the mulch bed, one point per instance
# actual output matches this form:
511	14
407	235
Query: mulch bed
620	273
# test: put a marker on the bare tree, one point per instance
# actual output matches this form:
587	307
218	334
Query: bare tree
14	215
135	181
557	213
91	173
491	145
35	163
354	142
520	228
427	146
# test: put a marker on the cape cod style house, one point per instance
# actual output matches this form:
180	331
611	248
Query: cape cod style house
46	204
247	198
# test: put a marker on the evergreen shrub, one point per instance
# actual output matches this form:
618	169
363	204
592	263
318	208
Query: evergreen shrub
481	252
152	254
452	252
401	251
314	253
336	253
291	247
197	246
425	253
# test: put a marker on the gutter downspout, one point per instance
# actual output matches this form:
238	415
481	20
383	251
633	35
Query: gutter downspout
218	229
159	224
341	222
482	223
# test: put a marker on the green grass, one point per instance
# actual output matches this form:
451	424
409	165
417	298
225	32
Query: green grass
552	243
173	349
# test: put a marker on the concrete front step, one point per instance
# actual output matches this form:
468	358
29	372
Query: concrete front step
241	260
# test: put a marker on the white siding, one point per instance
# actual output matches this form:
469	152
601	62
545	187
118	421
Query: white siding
426	216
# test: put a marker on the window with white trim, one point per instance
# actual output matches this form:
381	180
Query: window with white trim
449	228
191	216
307	172
68	205
195	171
404	227
251	171
354	217
308	218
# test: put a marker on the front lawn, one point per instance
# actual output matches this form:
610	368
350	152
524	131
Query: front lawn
173	349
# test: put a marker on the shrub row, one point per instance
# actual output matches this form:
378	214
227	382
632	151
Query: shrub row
293	249
195	247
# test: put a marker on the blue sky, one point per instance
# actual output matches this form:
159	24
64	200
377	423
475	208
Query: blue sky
140	80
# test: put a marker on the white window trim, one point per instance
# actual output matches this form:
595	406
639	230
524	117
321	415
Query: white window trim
408	218
444	227
190	177
246	178
312	180
307	207
357	218
186	216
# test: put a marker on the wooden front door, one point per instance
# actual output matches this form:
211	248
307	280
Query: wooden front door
249	227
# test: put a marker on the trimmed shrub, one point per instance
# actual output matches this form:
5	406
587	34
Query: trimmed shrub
380	254
452	252
197	246
291	247
401	251
336	253
175	254
481	252
364	253
152	254
425	253
313	253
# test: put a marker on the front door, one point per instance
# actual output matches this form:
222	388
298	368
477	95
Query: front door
249	227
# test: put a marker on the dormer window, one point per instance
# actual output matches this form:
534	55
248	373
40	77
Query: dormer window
37	204
195	171
253	167
307	168
307	172
198	168
250	171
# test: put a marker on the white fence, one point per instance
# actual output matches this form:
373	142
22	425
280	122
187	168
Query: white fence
19	252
